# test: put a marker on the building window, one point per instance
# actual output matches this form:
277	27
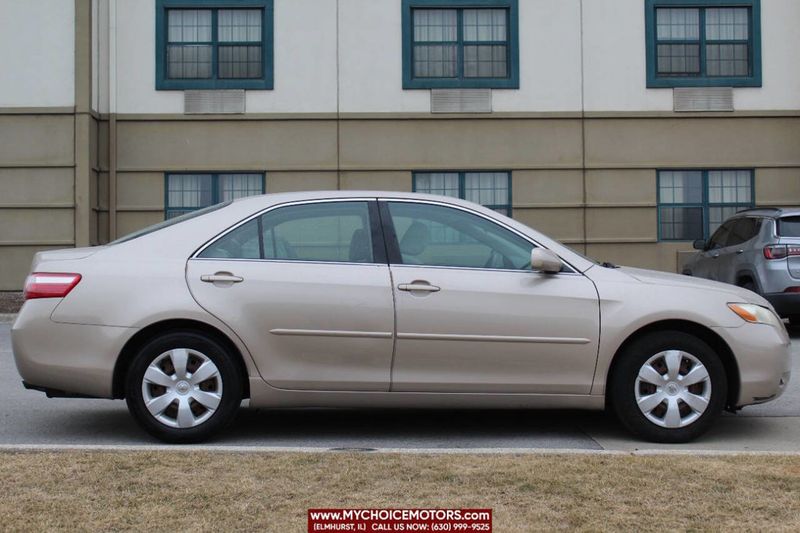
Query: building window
489	189
214	47
692	204
188	192
692	43
460	43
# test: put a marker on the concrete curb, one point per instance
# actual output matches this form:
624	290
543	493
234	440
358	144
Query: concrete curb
10	448
7	318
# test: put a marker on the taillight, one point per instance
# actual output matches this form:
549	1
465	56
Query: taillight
50	285
792	289
781	251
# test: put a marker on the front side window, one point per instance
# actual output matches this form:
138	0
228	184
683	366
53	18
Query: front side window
489	189
451	45
325	231
703	43
692	204
433	235
188	192
215	47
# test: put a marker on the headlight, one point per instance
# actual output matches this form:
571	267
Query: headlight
755	314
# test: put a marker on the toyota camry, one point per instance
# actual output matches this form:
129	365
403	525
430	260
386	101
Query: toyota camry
378	299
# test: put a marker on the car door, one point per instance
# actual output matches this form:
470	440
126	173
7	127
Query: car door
471	315
307	288
707	266
737	256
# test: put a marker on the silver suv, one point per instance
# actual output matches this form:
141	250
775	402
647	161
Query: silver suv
758	249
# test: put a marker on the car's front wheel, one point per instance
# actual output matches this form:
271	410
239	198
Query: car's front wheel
183	387
668	386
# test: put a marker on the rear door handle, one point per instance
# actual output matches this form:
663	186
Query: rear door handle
223	277
739	251
418	286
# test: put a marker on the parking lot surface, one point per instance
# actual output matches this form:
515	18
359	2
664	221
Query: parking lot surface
28	418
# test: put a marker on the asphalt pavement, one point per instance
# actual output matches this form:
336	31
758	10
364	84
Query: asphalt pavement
29	419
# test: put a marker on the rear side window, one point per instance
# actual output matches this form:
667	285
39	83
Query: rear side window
743	230
789	227
326	231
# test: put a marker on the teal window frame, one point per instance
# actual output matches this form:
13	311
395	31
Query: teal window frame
215	199
462	188
164	83
460	82
705	204
702	80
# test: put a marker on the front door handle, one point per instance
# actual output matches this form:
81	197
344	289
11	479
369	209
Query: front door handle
739	251
715	256
418	286
221	277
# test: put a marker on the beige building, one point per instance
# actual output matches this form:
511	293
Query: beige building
625	128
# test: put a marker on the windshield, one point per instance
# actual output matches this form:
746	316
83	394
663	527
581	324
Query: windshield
170	222
789	227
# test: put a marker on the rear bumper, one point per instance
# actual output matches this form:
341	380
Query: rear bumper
65	359
785	303
763	355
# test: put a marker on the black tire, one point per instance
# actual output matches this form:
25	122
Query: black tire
228	371
749	285
622	385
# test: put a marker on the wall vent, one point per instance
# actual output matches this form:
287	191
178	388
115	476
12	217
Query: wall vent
200	102
461	100
702	99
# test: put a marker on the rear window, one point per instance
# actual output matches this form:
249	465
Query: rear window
789	227
170	222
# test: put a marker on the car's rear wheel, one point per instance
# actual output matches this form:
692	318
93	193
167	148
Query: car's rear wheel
668	386
183	387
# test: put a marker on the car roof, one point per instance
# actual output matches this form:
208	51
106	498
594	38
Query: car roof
768	212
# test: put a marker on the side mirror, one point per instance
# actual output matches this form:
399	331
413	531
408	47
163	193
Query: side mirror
699	244
545	261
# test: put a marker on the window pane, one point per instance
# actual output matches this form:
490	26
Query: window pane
487	188
680	187
435	61
240	62
678	24
187	192
718	215
435	25
241	243
233	186
189	61
727	60
484	25
727	24
189	25
441	183
485	61
473	242
678	59
239	25
681	223
338	231
729	187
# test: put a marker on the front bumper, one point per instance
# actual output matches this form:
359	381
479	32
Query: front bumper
73	359
763	355
785	303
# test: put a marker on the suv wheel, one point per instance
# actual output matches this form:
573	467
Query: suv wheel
668	386
183	387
